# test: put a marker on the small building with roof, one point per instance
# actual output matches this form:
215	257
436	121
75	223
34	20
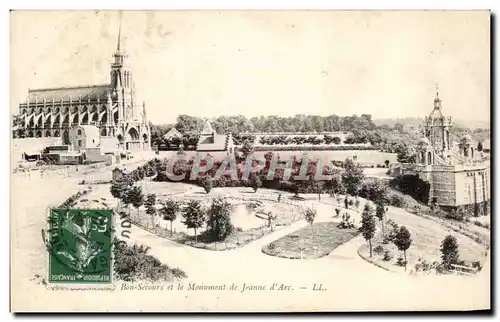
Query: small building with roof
211	141
173	133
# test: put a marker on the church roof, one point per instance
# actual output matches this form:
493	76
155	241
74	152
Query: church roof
218	143
173	133
65	93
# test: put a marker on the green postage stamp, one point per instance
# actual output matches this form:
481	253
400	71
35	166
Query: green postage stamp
80	246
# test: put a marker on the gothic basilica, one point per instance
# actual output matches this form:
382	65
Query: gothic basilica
111	108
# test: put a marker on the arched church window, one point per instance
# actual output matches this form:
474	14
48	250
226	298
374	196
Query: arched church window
429	158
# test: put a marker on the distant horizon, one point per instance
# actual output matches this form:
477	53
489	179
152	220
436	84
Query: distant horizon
385	64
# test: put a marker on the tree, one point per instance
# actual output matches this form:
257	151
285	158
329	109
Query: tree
387	162
449	251
352	177
119	189
402	240
346	203
357	203
136	198
404	154
207	184
194	216
189	124
255	182
319	188
379	213
219	219
150	171
150	200
367	228
169	211
150	204
479	147
310	215
247	149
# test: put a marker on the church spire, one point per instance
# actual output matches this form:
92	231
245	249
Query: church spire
437	100
119	38
119	34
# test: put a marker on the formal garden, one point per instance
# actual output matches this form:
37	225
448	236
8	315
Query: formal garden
401	233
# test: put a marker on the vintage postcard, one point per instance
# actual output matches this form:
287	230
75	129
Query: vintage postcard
250	161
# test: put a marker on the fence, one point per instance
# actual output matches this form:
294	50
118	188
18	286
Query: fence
463	270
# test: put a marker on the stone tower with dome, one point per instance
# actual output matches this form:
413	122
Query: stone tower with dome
459	176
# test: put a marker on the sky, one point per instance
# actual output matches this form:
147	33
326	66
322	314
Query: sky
211	63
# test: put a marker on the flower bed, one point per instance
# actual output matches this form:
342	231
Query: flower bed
326	237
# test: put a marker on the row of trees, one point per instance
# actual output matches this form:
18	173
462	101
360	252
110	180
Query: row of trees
400	236
216	217
299	140
362	127
187	142
273	123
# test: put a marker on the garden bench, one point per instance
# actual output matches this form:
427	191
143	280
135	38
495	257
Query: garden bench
464	270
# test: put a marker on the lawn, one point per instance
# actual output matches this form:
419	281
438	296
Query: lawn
248	226
325	239
426	236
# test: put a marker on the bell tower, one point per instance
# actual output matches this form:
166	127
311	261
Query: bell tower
121	81
437	127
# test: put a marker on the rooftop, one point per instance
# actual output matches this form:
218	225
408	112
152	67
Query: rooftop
57	94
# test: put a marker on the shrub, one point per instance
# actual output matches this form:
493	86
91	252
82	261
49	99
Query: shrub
219	224
133	263
387	256
386	240
351	202
449	251
346	222
207	184
458	215
396	201
412	185
441	269
477	264
379	249
401	262
373	189
426	266
480	224
178	273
